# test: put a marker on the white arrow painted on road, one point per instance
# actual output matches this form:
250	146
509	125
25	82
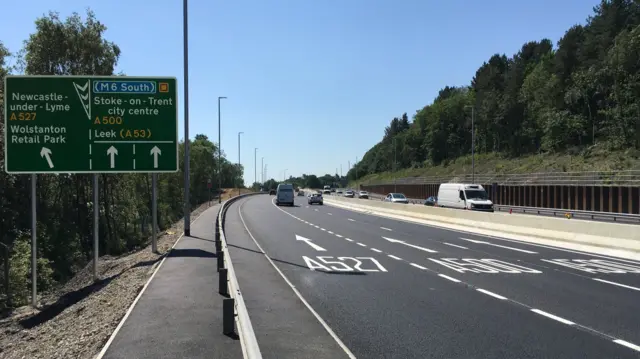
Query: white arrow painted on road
410	245
497	245
155	151
112	151
46	153
308	241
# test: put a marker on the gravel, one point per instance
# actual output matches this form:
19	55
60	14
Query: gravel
77	320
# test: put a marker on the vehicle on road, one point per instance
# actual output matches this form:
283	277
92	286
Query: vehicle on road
339	191
431	201
284	194
349	194
315	198
464	196
396	198
327	188
300	193
272	192
326	191
363	194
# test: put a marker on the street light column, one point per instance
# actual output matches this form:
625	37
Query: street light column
239	133
219	153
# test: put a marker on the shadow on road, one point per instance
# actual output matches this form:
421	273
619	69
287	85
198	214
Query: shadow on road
198	253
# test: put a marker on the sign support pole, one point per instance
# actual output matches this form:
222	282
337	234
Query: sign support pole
96	224
34	252
154	209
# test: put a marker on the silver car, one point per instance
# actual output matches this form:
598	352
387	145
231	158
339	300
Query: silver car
396	198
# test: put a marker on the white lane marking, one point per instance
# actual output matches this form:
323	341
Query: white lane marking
304	301
329	232
330	214
306	206
394	257
338	235
455	245
349	239
352	220
376	250
135	301
316	209
491	293
517	241
362	244
449	278
418	266
311	244
386	229
627	344
322	229
316	226
618	284
410	245
497	245
554	317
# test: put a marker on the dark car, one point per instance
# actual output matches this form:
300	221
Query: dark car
272	192
315	198
431	201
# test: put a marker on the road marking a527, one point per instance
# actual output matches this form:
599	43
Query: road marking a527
491	266
342	264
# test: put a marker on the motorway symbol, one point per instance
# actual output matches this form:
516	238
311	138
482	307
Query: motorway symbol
46	153
339	264
491	266
308	241
410	245
83	94
80	118
155	151
596	265
112	152
497	245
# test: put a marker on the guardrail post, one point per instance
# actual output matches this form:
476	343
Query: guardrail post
220	257
223	288
217	240
228	316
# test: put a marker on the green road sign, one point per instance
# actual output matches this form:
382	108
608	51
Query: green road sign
90	124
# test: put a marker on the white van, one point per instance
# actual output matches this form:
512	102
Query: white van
464	196
284	194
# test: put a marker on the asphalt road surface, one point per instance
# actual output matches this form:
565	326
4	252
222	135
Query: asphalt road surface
391	289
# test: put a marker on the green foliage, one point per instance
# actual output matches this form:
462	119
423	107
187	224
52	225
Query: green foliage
65	202
541	100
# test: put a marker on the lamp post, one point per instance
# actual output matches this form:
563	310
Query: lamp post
255	165
239	133
219	153
473	144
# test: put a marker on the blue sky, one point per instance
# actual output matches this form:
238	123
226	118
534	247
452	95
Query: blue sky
312	84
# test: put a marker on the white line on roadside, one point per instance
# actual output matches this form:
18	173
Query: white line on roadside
455	245
554	317
349	239
362	244
330	214
322	229
618	284
352	220
394	257
386	229
449	278
491	293
329	232
418	266
376	250
338	235
627	344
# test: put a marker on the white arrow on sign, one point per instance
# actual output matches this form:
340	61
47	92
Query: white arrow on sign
308	241
410	245
497	245
112	151
155	151
46	153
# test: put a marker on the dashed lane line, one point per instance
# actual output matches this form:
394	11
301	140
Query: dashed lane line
498	296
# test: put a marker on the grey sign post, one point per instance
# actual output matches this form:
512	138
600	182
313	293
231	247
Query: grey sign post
154	210
96	225
34	254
